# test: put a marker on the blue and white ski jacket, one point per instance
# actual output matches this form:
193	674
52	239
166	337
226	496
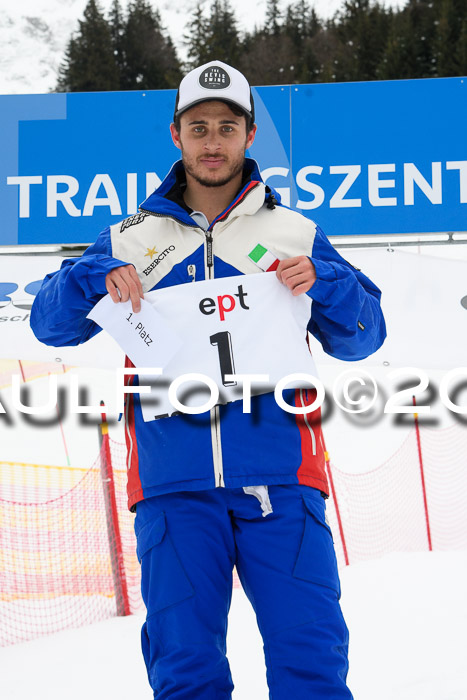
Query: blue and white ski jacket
223	447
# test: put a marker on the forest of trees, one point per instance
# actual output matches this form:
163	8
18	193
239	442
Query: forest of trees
130	49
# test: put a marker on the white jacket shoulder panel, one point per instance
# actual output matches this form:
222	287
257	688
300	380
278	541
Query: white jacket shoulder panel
283	231
154	245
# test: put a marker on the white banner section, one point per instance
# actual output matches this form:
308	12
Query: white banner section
20	280
424	300
242	325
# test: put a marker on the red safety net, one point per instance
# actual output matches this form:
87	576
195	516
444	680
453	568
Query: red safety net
384	511
57	548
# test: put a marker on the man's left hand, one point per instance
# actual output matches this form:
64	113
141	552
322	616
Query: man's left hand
298	274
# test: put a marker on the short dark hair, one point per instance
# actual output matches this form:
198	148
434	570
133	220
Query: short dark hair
233	108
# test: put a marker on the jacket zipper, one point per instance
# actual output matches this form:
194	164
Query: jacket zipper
215	412
209	274
214	415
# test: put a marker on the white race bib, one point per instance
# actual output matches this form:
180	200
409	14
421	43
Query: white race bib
242	325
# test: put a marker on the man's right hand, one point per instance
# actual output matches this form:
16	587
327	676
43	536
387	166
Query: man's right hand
123	283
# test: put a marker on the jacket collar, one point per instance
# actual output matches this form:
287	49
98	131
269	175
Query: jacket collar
159	202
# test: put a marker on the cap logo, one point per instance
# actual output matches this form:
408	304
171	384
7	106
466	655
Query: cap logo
214	78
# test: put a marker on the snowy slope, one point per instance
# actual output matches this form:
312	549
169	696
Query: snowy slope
34	34
406	615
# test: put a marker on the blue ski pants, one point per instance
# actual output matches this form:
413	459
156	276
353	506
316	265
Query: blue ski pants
188	543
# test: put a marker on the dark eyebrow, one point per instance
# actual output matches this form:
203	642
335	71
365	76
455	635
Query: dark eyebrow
224	121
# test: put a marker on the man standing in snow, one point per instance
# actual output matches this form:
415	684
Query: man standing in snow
226	487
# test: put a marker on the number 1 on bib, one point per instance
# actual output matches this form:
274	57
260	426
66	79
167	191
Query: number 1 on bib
226	361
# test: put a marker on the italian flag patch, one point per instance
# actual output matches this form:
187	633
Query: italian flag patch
264	258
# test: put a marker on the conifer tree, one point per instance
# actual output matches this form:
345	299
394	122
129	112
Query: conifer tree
151	61
273	21
422	20
270	54
363	30
267	59
301	22
301	26
326	47
223	32
196	38
215	37
451	16
89	63
461	48
397	54
117	31
409	51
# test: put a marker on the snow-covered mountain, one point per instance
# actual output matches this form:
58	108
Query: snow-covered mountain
34	34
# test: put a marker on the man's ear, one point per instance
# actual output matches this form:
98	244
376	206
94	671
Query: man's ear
251	136
175	136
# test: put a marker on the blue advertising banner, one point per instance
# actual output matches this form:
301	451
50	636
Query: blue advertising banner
358	158
382	157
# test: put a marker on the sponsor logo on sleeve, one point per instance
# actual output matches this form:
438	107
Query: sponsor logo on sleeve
133	220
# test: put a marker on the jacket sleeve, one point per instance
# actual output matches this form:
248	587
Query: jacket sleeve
346	315
58	314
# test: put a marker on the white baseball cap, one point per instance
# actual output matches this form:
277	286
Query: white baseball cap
214	81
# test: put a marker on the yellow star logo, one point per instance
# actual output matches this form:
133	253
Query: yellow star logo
150	253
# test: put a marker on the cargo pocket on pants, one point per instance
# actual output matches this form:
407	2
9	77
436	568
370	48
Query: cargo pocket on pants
316	560
163	578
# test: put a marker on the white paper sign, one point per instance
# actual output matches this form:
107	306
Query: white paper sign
144	336
242	325
246	324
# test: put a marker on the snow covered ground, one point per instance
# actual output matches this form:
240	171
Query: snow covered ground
406	614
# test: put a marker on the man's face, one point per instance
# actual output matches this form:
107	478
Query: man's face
213	141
